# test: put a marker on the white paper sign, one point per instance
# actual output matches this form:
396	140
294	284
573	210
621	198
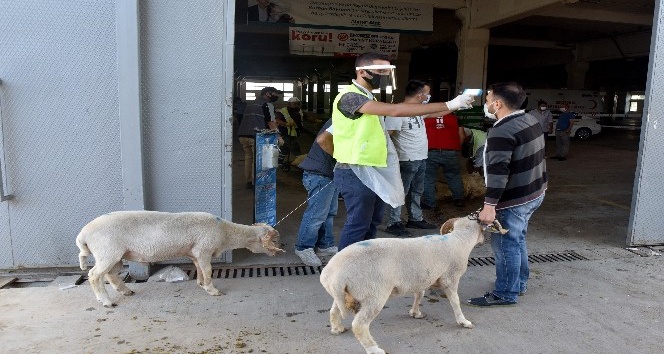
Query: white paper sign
344	43
355	14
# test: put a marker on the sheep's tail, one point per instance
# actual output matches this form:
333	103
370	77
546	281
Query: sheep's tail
350	302
85	252
344	300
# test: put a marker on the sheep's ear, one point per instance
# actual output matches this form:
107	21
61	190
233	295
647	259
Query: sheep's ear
448	226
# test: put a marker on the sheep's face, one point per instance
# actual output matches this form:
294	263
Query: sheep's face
463	225
271	241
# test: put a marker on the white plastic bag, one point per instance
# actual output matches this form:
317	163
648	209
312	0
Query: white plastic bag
170	274
384	181
270	157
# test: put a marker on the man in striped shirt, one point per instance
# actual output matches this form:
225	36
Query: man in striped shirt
515	177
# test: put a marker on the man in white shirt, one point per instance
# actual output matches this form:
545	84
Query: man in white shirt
410	140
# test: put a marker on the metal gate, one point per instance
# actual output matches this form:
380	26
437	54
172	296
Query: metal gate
62	152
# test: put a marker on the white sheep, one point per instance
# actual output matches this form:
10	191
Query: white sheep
151	236
363	276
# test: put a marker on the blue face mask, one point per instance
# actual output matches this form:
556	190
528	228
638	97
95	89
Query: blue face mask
427	99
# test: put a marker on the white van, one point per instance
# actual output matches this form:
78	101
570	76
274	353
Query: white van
584	126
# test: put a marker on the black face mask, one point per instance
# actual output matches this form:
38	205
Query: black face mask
374	81
273	98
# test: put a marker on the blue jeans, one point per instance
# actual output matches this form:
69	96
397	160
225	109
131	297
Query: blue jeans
364	209
412	175
449	161
317	220
510	250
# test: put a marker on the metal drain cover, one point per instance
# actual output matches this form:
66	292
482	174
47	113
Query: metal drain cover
288	270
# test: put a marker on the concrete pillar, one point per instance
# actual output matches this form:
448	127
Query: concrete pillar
303	104
129	103
334	87
320	95
403	75
435	90
473	44
310	96
576	74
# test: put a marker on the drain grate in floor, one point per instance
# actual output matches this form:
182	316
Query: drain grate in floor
258	272
282	271
533	258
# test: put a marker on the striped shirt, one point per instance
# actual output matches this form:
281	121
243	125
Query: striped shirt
514	169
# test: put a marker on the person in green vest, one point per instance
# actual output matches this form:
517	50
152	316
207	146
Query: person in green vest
289	119
475	138
367	172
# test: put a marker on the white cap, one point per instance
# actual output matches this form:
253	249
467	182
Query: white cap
293	99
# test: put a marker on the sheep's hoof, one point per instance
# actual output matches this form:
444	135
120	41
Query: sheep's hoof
375	350
214	292
110	304
417	315
338	330
467	324
128	293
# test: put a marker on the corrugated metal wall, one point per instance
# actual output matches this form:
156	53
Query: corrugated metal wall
182	75
60	128
645	224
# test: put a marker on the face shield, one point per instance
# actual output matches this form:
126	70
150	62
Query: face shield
382	75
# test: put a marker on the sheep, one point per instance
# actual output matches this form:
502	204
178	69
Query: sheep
151	236
363	276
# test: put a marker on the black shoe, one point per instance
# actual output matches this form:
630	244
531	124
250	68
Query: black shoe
422	224
459	203
489	300
424	206
562	158
398	229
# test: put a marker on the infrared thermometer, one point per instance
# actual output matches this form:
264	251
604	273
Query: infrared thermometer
473	92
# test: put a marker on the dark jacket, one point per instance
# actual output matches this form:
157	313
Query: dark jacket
317	160
256	116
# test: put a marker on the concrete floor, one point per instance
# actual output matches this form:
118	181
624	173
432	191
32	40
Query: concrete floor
586	206
608	303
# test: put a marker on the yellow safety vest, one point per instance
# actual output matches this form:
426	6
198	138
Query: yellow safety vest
290	122
358	141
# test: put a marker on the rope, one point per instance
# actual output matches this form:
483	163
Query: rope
494	227
304	202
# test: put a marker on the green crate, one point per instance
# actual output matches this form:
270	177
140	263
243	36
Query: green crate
472	118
